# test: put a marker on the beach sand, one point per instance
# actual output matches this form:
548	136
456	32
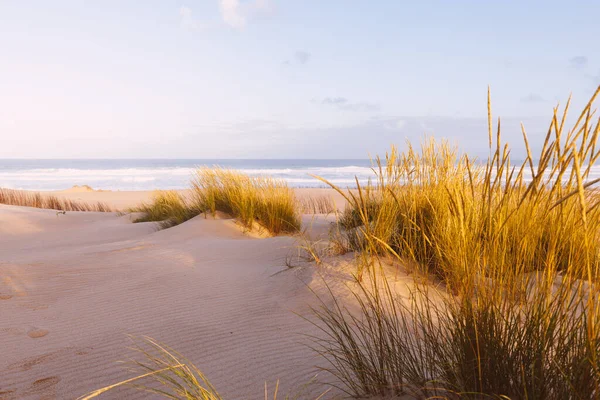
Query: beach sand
73	286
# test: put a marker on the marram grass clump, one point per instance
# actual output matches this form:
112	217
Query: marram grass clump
256	202
450	215
167	207
491	345
268	202
517	315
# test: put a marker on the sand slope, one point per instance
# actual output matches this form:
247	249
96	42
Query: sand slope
72	286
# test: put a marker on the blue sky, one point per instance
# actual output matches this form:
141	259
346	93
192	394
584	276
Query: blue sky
283	78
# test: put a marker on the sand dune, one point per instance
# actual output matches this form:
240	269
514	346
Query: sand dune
79	189
72	286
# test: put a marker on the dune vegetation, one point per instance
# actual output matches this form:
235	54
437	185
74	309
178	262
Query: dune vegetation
256	202
515	312
168	208
448	215
268	202
47	201
177	378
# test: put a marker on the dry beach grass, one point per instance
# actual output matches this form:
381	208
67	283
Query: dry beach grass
167	207
39	200
517	261
266	203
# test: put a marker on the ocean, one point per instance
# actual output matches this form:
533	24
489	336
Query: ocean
146	174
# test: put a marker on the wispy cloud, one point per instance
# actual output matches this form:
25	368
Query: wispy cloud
581	63
532	98
236	13
264	5
578	62
232	13
594	78
187	20
335	100
302	57
343	103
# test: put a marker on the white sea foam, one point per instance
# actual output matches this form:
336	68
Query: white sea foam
165	178
178	177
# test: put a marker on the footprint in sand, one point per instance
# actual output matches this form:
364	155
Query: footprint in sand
7	394
45	383
28	363
45	387
33	362
37	333
5	296
12	331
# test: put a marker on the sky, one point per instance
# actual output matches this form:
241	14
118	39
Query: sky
284	78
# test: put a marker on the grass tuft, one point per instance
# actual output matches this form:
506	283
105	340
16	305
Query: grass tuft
254	201
268	202
38	200
485	346
168	208
170	375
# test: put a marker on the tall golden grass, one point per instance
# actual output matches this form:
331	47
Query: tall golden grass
268	202
489	345
519	257
47	201
254	201
167	207
450	215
